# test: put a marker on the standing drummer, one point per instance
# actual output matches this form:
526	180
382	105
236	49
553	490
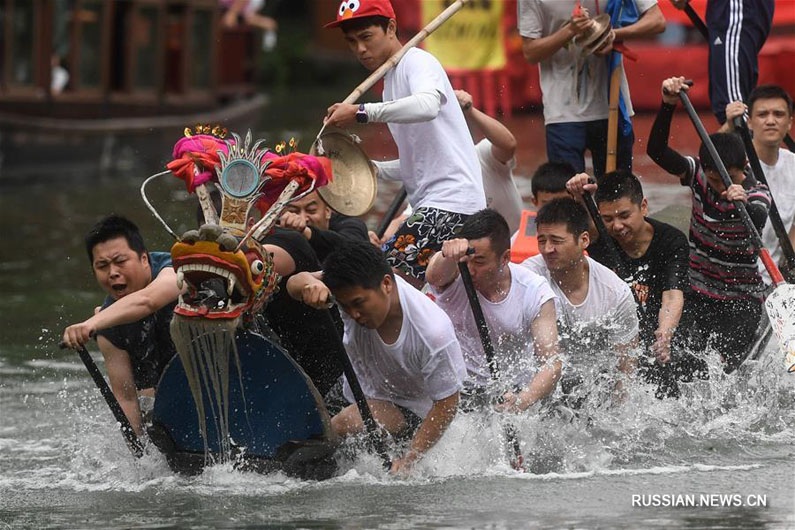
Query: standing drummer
438	163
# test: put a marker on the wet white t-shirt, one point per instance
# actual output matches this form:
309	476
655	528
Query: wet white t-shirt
423	365
781	181
607	317
438	164
509	323
498	185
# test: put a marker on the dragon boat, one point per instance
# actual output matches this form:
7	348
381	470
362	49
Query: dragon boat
231	394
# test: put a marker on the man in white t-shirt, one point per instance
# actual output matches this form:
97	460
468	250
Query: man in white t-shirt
575	88
402	347
438	164
770	119
496	155
596	310
518	306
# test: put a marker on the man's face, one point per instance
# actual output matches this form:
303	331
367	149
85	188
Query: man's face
368	307
313	209
770	121
118	269
560	248
485	266
623	218
372	46
543	197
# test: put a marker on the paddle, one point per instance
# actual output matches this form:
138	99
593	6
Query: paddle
133	443
780	304
361	401
390	214
488	348
775	218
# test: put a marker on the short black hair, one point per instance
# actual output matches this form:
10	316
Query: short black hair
551	177
564	211
617	185
111	227
487	223
730	149
360	23
769	92
355	264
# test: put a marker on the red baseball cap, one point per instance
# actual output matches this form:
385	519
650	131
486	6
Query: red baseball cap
350	9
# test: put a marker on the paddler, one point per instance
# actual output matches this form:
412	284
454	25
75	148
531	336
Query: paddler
769	120
655	254
438	163
402	346
324	228
725	304
596	311
132	327
518	305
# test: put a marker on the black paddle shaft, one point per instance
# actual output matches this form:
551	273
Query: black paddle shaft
133	443
775	218
724	174
390	214
488	348
480	320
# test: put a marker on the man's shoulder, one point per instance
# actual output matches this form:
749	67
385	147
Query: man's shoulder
608	280
525	276
788	158
536	264
425	317
668	235
158	261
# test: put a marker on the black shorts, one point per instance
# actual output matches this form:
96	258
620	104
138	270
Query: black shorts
419	237
413	423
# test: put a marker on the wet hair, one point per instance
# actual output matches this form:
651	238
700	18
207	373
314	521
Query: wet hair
487	223
551	177
111	227
355	264
769	92
564	211
360	23
617	185
730	149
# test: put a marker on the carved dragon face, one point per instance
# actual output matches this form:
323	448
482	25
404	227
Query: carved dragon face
221	283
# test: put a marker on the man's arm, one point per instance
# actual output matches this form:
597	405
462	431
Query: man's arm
443	267
122	382
309	288
673	301
657	147
503	142
545	342
160	292
650	22
416	108
536	50
433	427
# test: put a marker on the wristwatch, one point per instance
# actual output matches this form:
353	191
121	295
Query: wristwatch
361	115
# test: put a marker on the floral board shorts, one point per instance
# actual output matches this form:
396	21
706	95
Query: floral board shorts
419	237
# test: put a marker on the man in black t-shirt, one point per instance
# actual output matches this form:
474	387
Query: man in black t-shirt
132	328
324	228
656	256
308	335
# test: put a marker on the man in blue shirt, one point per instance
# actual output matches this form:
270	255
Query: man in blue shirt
132	328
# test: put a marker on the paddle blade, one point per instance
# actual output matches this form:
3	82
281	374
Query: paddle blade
780	307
